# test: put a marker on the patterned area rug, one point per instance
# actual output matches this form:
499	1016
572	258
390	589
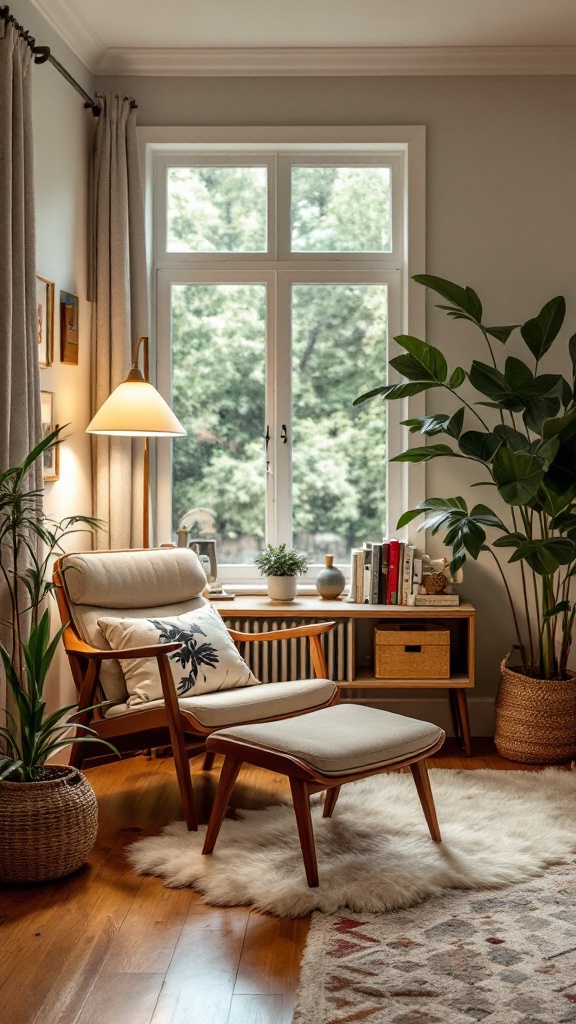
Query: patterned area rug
507	957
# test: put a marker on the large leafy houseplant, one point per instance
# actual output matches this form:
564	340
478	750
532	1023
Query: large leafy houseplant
29	540
524	448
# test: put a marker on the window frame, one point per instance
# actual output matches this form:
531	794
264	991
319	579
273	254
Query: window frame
404	148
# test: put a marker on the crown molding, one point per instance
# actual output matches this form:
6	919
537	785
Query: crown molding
73	30
338	61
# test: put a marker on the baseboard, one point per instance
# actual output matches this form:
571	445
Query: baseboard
437	710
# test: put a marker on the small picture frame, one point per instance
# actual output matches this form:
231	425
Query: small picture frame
51	458
45	320
69	328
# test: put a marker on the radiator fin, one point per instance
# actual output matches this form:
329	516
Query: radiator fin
281	660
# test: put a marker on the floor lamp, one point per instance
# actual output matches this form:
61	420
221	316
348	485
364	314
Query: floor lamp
136	409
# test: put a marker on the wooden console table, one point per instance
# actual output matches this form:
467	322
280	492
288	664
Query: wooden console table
460	620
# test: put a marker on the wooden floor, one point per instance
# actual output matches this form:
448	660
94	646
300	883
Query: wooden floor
109	947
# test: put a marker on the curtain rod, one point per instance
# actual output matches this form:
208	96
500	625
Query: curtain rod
42	54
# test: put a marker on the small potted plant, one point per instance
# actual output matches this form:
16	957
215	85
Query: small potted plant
281	565
48	812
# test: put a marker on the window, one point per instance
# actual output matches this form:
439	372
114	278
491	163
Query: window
280	281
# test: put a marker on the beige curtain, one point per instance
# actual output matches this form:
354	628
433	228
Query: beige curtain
120	314
19	372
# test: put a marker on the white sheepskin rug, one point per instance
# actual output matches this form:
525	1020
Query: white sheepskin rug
375	854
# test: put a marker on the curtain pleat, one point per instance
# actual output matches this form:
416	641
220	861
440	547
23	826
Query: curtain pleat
20	427
120	313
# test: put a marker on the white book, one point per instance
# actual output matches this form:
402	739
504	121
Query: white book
407	570
436	600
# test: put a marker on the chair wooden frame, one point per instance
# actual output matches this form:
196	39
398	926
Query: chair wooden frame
156	726
304	781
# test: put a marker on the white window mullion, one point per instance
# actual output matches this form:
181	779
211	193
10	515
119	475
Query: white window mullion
282	433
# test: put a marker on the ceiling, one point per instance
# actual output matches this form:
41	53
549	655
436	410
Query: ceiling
318	36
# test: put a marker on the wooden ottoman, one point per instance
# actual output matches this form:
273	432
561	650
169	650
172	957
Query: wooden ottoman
324	750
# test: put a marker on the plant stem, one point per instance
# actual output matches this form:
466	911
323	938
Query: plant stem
521	646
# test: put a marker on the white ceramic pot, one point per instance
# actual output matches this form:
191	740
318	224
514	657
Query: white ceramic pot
282	588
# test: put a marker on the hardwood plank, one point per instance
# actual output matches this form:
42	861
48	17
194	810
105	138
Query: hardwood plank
122	999
270	960
261	1009
147	937
200	980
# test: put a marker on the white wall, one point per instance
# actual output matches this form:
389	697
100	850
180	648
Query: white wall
62	143
501	211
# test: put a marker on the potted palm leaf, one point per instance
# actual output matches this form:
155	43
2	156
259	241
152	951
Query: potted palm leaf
48	812
519	432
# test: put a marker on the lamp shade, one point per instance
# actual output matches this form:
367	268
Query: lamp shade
135	408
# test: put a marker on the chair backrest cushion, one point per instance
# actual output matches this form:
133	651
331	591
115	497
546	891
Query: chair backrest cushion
158	583
207	661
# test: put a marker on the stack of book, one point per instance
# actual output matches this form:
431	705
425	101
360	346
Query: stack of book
390	572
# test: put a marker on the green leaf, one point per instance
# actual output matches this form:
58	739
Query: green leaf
546	556
476	444
572	351
513	439
483	514
501	333
423	362
540	332
454	428
510	540
517	474
430	451
561	426
464	298
458	377
370	394
540	410
407	517
396	391
429	425
491	382
551	613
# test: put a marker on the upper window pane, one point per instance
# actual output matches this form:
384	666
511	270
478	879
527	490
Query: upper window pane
341	209
217	209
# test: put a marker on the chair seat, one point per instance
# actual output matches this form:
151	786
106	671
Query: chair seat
244	704
338	740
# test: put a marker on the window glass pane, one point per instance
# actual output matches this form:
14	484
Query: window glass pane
217	209
341	209
218	380
339	337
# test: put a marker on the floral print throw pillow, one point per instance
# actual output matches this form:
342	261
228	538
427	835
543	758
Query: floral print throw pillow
207	660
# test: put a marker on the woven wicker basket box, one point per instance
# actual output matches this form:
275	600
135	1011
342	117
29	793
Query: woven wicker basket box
411	651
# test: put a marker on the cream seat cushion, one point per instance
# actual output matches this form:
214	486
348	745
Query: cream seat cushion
266	700
341	739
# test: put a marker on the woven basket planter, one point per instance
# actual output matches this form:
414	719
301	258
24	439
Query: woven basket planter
535	718
47	828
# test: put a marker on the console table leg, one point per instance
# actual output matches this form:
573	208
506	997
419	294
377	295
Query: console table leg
463	715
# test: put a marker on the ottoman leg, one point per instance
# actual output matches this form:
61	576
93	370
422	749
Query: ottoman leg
301	801
208	761
228	777
421	778
330	801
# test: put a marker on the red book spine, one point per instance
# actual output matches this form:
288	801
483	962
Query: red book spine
393	571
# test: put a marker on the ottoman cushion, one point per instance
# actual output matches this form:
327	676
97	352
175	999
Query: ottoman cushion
339	740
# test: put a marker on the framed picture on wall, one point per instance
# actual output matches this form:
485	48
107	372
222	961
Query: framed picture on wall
69	328
45	320
51	459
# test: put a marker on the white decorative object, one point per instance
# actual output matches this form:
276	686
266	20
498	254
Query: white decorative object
282	588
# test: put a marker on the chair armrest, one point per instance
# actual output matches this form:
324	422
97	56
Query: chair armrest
312	630
73	645
309	629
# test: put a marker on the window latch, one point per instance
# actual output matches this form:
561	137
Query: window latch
284	434
267	442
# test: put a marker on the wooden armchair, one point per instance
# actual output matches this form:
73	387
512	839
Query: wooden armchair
163	582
